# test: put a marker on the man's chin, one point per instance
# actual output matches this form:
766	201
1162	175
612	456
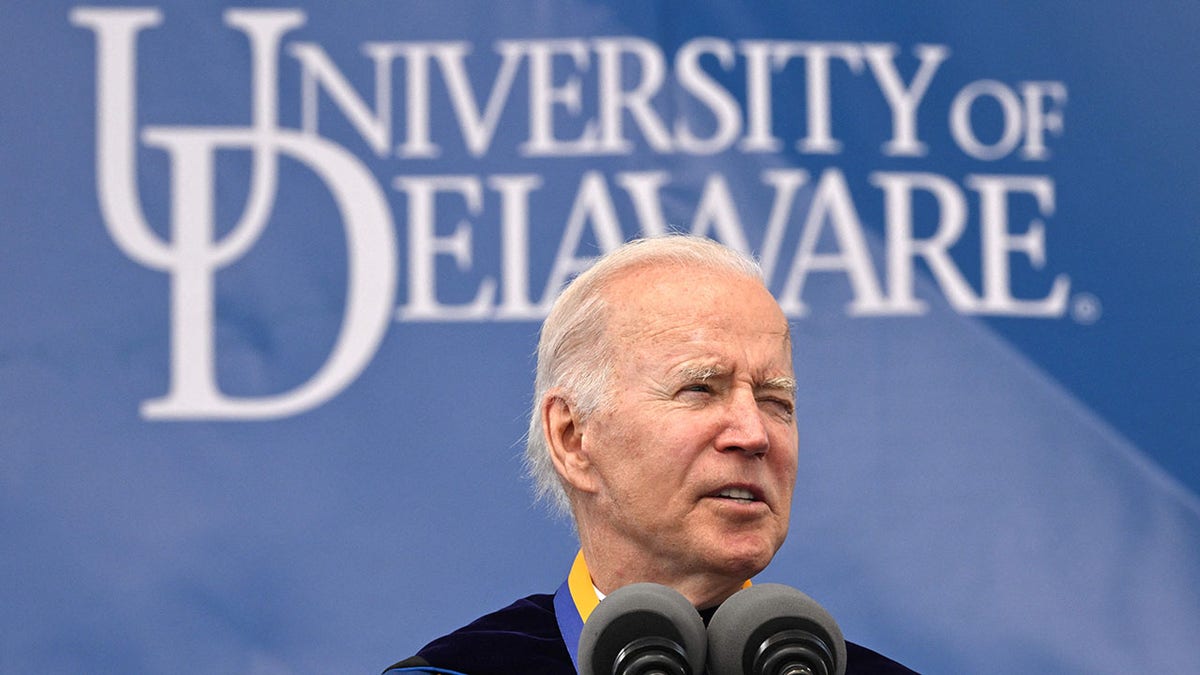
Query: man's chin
743	560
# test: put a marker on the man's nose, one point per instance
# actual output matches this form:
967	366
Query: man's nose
745	428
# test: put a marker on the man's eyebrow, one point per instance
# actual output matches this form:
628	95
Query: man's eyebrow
787	384
701	373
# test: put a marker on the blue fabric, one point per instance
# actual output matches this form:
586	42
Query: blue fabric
570	624
521	638
524	638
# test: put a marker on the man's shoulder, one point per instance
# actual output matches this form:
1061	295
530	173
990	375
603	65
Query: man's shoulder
531	616
523	635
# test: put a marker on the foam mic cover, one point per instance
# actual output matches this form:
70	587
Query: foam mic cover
772	629
643	629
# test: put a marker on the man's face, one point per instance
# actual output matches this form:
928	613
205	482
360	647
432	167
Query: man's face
695	456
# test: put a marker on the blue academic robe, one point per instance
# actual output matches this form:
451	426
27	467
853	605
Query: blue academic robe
524	638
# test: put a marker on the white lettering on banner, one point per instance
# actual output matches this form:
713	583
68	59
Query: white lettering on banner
582	97
1023	116
193	256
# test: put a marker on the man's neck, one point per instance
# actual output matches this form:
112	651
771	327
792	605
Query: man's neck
703	590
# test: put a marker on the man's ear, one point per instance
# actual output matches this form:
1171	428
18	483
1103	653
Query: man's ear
563	427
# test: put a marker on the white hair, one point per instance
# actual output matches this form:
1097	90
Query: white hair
574	353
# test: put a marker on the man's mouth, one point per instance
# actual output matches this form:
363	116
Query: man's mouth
741	495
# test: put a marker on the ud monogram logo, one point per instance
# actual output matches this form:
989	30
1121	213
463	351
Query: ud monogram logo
194	253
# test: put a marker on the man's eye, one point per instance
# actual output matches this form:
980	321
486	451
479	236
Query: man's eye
782	405
699	387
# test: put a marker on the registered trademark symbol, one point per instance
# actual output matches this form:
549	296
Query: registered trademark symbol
1085	308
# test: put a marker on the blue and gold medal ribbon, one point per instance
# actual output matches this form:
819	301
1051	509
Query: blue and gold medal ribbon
573	604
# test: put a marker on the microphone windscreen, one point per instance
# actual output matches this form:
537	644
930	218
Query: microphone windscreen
758	626
645	612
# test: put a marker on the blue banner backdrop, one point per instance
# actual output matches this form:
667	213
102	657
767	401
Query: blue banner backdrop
271	278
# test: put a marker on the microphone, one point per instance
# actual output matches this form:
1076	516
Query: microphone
772	629
643	629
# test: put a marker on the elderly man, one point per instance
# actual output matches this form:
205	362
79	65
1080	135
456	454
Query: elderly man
664	419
